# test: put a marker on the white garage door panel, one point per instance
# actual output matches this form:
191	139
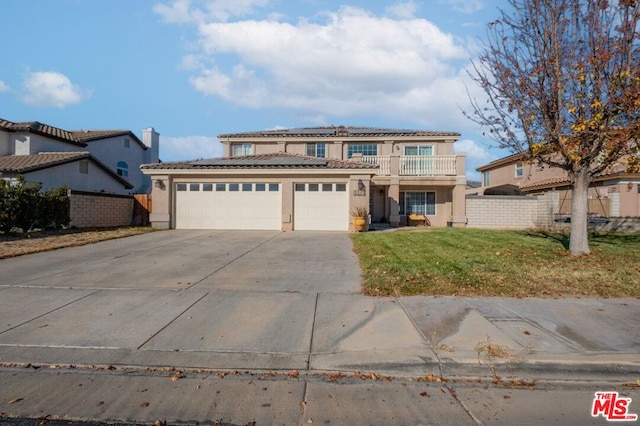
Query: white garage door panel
320	210
229	209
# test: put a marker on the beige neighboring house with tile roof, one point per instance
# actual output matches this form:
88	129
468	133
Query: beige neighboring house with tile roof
105	161
615	193
313	179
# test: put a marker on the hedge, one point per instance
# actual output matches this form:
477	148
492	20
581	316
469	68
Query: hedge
24	206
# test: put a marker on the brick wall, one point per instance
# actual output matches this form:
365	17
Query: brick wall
509	212
94	210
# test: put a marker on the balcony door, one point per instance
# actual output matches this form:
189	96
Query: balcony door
415	162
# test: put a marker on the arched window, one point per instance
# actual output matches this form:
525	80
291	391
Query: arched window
122	169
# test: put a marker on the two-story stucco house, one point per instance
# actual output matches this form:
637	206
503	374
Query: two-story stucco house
312	179
614	193
83	160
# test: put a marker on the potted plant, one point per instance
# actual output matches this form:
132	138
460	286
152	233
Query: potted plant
359	218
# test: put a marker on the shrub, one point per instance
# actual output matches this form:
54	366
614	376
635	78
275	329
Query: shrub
23	206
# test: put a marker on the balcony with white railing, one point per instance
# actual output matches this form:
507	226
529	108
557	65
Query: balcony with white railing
414	165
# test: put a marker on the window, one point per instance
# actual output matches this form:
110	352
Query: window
418	150
122	169
485	178
341	187
316	149
126	143
274	187
194	187
313	187
327	187
261	187
84	167
234	187
181	187
207	187
519	169
247	187
418	202
299	187
362	148
221	187
241	149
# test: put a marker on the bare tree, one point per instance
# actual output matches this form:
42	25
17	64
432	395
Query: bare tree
563	85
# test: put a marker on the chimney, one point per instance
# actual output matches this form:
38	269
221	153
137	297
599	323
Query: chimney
151	139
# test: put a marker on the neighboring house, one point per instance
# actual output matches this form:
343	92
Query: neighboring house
312	178
614	193
85	160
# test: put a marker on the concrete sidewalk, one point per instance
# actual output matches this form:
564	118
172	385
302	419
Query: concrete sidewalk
246	327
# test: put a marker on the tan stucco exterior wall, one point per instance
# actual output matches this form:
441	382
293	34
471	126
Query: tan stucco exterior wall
163	214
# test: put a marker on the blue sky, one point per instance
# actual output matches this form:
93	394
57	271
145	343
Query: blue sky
194	69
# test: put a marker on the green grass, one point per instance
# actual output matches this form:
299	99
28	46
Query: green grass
471	262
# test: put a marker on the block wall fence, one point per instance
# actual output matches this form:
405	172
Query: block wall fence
95	210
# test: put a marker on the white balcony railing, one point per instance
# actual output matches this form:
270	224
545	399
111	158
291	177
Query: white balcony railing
383	162
415	165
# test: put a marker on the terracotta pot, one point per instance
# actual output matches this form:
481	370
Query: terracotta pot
359	224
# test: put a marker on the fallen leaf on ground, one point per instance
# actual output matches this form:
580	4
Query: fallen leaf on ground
13	401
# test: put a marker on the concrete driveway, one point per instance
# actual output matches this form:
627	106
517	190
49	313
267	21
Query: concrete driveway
210	299
178	260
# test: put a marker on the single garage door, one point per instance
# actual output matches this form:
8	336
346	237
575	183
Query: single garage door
320	207
229	206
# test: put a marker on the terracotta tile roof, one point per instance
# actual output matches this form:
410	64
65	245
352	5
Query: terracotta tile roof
29	163
555	181
92	135
618	171
20	164
279	160
339	131
75	137
502	161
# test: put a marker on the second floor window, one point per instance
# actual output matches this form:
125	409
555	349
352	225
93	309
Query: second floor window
84	167
418	150
316	149
485	178
362	148
241	149
519	169
122	169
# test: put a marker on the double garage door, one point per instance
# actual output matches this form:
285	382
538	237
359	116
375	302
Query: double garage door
258	205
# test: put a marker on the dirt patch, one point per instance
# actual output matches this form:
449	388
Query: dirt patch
35	242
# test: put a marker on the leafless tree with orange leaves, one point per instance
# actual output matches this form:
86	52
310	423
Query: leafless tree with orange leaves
563	85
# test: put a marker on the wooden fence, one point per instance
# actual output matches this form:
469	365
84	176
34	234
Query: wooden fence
141	208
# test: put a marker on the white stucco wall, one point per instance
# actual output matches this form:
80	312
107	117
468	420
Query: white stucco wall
97	180
29	143
112	150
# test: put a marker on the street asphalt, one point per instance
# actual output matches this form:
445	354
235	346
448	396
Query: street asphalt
269	327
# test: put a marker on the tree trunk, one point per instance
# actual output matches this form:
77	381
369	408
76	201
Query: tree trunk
579	240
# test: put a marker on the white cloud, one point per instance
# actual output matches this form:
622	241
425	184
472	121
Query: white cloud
464	6
403	9
189	148
50	88
477	155
179	11
3	87
352	64
183	11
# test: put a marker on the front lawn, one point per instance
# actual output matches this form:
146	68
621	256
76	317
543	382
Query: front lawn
472	262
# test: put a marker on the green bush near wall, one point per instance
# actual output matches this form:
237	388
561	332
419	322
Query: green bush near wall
24	206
